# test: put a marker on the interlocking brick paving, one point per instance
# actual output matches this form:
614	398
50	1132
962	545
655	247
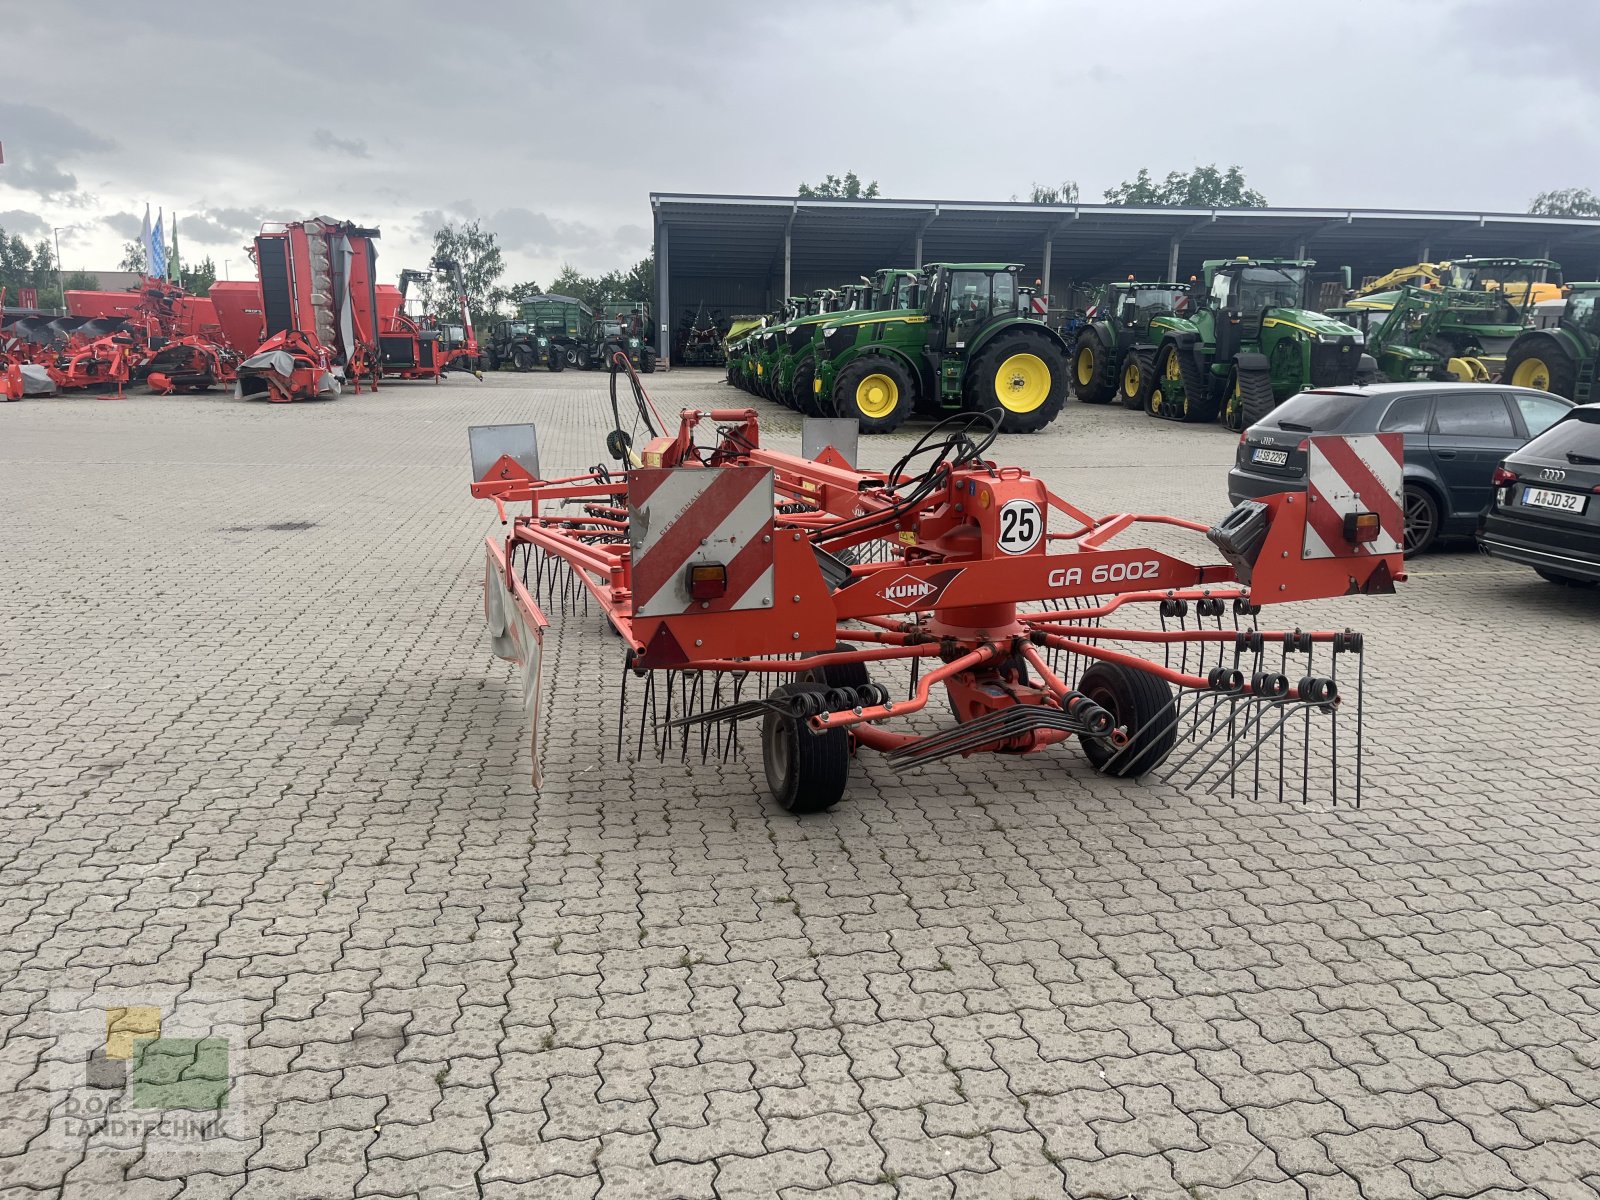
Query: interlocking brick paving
257	757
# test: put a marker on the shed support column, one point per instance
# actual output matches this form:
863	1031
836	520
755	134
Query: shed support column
918	263
788	262
663	297
1300	251
1049	246
1172	258
1424	253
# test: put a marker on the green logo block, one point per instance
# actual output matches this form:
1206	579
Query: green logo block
180	1073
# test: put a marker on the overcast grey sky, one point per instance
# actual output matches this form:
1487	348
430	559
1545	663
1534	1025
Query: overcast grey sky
554	121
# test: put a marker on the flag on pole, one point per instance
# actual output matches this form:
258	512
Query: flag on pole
156	262
177	264
144	239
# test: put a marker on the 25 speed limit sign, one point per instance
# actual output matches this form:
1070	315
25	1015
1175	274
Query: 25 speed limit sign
1021	526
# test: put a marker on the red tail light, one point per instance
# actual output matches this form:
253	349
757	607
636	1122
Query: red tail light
708	581
1304	446
1503	477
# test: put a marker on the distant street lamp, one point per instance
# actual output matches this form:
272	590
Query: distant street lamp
61	283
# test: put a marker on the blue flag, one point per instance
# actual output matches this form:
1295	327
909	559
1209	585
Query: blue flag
156	252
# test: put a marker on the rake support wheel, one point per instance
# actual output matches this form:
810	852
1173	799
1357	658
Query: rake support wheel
1142	703
806	770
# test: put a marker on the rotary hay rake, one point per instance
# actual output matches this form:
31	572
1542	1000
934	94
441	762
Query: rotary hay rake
751	585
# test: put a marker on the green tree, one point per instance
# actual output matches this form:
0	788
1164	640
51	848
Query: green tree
834	188
132	257
636	283
476	249
1064	193
1203	187
82	281
1566	202
518	292
198	277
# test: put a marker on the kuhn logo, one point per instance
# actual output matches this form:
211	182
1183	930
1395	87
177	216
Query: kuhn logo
907	591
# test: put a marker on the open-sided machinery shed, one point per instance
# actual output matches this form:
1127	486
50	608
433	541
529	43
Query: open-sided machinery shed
742	254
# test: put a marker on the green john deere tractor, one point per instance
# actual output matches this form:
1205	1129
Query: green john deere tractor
769	341
889	288
1560	359
975	342
795	339
1250	340
1113	356
737	348
1435	333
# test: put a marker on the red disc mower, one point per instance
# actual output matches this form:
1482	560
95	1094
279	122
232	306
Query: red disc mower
752	585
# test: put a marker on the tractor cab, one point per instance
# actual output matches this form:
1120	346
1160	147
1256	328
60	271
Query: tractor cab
1522	282
962	299
1131	305
896	288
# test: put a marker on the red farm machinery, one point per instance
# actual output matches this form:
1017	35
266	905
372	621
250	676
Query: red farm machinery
427	347
319	311
752	585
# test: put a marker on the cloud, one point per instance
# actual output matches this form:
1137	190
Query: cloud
220	226
16	220
38	142
125	224
324	139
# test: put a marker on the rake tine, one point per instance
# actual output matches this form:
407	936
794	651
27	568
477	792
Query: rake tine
1289	706
1171	723
1260	705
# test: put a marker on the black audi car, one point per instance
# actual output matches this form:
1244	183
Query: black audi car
1546	510
1455	435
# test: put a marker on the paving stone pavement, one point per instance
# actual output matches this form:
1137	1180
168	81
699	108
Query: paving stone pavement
258	762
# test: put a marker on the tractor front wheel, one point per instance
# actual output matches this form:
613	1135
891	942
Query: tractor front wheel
876	392
806	398
521	358
555	362
1250	398
1020	378
647	361
1137	377
806	770
1089	369
1167	398
1141	703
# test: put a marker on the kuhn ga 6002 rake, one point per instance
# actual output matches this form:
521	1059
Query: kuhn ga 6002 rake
731	567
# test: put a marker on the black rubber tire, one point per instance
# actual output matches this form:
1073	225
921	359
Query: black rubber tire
839	675
522	358
556	362
1140	369
806	771
1561	580
647	361
584	358
1427	505
1133	697
807	398
982	389
491	361
1089	358
569	355
1562	370
1256	399
850	378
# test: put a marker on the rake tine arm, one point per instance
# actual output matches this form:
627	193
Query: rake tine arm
1224	591
1177	678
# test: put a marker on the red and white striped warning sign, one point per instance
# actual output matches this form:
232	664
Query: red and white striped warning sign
1040	305
682	516
1348	475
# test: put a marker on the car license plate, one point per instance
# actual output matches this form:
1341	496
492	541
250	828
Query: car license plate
1270	458
1572	502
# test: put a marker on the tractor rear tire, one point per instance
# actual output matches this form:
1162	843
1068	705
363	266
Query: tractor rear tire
521	358
647	361
555	363
491	360
1542	363
1090	368
876	392
1140	701
1137	377
806	771
1020	378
